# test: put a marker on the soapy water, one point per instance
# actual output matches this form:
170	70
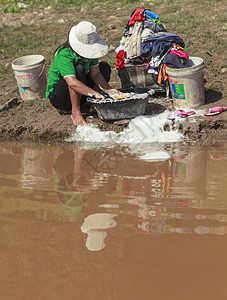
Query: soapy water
148	129
141	130
118	98
155	156
144	137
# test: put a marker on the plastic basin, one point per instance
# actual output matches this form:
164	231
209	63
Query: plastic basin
127	108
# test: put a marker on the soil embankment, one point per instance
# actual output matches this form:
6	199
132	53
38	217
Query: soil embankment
39	121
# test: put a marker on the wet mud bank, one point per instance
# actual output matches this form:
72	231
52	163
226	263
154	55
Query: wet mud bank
38	121
203	130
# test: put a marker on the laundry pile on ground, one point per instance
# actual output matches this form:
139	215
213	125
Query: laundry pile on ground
145	40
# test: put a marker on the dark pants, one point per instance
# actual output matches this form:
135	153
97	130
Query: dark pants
60	97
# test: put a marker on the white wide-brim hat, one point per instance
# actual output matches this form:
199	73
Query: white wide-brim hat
85	41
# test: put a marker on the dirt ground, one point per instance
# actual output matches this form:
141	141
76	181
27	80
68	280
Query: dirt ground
38	121
41	122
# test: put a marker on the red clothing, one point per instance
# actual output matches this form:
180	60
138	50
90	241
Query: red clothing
139	15
120	60
180	53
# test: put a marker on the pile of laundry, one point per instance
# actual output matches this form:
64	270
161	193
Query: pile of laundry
145	40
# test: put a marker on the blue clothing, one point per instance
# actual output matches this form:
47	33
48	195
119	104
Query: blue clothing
159	44
150	15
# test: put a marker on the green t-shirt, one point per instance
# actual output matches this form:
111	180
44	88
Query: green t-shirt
63	65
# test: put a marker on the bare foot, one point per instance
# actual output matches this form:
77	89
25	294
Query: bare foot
77	118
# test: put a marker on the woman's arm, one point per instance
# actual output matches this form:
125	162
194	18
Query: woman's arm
100	81
98	78
80	88
76	90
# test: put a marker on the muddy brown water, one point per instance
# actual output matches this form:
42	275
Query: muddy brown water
103	224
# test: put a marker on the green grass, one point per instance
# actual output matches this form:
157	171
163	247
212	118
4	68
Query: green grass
12	6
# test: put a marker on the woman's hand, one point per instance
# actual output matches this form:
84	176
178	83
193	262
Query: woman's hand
113	92
117	94
98	96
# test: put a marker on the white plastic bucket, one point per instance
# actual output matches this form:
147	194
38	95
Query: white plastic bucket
187	84
30	74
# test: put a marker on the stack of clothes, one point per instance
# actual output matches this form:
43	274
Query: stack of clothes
146	41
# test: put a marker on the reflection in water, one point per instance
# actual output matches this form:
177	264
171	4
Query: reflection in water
60	238
37	168
75	180
94	225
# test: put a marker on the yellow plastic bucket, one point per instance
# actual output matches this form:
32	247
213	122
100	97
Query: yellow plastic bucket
30	74
187	84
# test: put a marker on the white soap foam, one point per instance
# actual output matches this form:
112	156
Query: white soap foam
92	134
142	129
155	156
147	129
